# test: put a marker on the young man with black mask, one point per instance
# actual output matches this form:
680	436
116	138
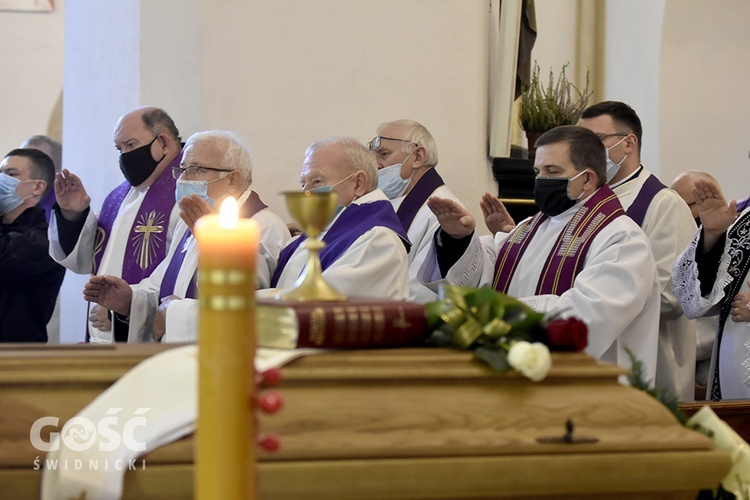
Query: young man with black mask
580	256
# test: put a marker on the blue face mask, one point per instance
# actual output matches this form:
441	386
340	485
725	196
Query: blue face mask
390	181
9	198
612	167
329	189
186	188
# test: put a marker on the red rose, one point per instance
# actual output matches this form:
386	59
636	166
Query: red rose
569	334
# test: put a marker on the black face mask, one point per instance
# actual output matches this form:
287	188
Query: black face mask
137	165
551	194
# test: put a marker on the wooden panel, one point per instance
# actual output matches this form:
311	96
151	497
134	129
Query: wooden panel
403	423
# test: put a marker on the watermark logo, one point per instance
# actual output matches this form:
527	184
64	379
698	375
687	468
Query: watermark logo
80	434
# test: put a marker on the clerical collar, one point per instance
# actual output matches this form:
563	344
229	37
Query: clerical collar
629	178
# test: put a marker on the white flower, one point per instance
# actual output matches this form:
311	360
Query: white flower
531	360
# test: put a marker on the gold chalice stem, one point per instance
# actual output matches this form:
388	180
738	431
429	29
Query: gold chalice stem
311	285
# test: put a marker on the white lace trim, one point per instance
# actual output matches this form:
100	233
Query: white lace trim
746	364
687	286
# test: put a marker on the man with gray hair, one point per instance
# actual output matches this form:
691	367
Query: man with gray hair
366	245
215	165
407	159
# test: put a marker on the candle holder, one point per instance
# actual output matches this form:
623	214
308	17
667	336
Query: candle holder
313	212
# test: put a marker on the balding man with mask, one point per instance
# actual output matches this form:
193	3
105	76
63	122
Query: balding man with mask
132	232
163	307
366	245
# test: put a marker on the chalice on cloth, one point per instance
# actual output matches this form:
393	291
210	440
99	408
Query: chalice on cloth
313	212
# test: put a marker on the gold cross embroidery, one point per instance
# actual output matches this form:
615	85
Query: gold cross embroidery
147	238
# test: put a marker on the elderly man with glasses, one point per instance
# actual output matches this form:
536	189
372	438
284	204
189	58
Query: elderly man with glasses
407	159
667	222
215	165
132	232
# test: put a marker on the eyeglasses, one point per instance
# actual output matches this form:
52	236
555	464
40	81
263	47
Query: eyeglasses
194	171
374	144
604	136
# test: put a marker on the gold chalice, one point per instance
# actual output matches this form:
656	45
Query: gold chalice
313	212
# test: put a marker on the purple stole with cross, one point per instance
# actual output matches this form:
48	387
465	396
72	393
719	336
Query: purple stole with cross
147	241
417	197
353	222
569	252
637	209
252	206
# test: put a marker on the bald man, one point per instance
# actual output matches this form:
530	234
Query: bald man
683	185
132	232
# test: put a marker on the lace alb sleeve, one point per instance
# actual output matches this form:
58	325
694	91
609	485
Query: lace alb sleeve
687	286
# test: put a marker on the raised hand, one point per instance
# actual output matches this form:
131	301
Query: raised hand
715	213
496	216
192	208
71	195
111	292
453	218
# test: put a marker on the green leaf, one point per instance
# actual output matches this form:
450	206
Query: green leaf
496	359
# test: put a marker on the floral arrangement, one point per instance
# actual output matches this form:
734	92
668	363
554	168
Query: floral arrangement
502	331
546	107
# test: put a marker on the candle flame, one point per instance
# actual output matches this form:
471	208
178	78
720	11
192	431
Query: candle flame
229	213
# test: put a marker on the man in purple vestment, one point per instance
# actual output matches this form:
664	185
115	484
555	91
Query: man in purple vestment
215	165
130	236
580	256
366	245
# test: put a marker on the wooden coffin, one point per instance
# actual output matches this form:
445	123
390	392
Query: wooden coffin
402	423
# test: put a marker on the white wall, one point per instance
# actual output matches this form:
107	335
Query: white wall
705	109
633	68
31	56
282	75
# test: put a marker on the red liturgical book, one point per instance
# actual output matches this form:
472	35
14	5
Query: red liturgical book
352	324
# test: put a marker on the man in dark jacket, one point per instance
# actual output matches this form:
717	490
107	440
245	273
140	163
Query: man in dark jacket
29	278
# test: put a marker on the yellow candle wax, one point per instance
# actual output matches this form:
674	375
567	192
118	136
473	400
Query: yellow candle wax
225	440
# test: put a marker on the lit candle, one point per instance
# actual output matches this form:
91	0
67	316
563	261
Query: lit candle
225	441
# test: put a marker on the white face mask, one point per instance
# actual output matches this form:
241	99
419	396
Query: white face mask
612	167
390	181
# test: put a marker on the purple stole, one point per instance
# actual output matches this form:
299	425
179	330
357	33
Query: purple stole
417	197
742	205
47	202
252	206
353	222
147	244
569	252
637	209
